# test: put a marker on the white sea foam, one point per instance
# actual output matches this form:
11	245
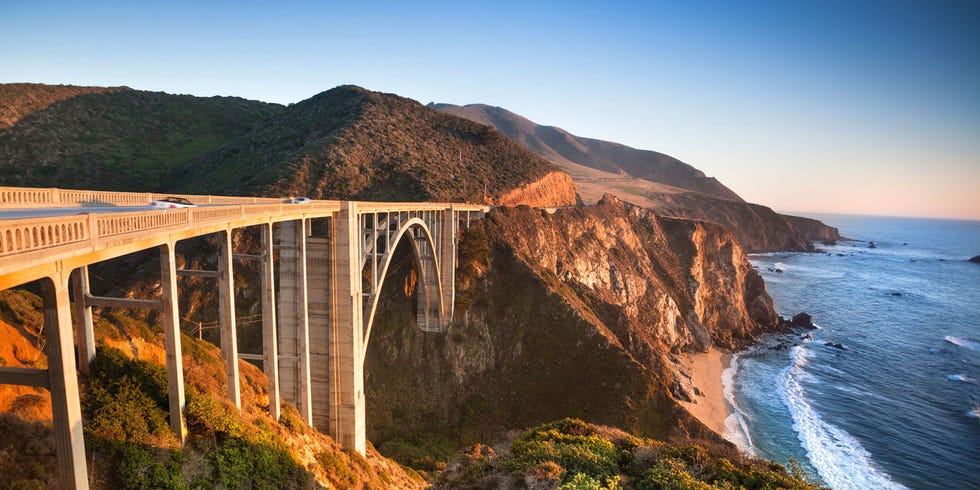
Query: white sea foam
964	343
975	413
960	377
736	430
837	456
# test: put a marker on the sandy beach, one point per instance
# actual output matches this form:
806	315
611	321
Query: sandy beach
705	369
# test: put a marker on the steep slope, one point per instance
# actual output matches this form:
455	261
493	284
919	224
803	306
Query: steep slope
349	142
113	138
652	180
578	313
563	148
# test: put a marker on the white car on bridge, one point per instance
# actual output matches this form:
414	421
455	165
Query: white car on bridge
171	203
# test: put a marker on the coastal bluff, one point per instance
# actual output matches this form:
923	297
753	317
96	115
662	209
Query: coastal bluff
580	313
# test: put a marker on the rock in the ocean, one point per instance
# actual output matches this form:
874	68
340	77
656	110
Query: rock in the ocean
896	293
803	319
975	260
836	345
829	243
872	245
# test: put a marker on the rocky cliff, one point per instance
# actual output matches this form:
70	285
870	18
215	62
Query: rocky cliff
553	190
577	313
758	228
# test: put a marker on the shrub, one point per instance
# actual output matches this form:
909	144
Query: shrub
207	415
570	443
126	400
138	469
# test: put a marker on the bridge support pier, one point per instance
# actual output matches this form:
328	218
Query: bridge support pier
294	328
63	384
348	323
171	339
83	319
270	356
226	317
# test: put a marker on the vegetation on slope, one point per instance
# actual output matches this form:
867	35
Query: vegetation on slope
128	437
571	455
349	142
113	139
20	99
569	151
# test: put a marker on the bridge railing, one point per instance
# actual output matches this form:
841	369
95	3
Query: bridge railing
29	197
29	234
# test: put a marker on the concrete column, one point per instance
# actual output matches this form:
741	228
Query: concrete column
63	384
319	305
350	329
447	265
171	339
83	320
270	357
294	331
226	313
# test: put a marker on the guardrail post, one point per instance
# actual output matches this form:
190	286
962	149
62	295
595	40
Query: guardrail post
93	227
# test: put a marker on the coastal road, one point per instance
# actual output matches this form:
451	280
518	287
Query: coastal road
48	212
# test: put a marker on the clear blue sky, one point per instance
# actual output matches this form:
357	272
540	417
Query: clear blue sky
838	106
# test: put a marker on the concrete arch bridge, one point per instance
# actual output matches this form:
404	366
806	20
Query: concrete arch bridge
332	258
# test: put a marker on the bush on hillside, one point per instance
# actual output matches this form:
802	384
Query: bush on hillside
571	454
126	399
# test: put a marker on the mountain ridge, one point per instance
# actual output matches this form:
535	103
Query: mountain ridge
652	180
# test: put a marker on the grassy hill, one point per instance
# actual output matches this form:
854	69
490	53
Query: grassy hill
349	142
574	152
87	138
345	143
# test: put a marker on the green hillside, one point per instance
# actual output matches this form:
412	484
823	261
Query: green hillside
113	140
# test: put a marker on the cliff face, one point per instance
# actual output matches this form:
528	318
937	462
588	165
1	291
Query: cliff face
576	313
757	227
553	190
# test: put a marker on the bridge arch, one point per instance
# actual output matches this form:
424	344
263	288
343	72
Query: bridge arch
430	292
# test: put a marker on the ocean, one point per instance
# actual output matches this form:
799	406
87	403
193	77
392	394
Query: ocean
898	406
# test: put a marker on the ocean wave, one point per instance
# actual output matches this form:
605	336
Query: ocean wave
964	343
838	457
961	377
736	429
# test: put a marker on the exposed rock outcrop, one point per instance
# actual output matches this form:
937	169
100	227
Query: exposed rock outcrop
975	259
553	190
575	313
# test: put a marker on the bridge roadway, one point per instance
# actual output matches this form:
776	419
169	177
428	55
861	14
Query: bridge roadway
316	322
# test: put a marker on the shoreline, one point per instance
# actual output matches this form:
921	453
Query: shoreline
710	405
